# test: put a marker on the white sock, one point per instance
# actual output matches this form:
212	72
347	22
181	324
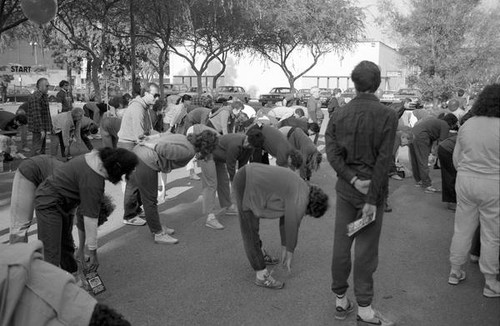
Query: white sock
260	274
341	301
366	313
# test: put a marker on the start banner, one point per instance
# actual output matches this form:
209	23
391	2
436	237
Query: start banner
18	69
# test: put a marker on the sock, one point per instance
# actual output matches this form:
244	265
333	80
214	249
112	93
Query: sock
261	274
366	313
341	301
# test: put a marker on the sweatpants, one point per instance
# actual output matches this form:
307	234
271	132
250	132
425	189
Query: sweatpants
142	189
448	175
214	178
349	202
249	224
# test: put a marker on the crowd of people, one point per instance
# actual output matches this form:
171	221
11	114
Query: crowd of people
144	138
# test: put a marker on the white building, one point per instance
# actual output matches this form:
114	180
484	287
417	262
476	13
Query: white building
258	76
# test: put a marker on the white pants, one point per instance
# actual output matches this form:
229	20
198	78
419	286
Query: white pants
478	202
21	208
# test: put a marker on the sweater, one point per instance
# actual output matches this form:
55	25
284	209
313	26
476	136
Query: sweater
220	119
231	151
136	121
274	192
276	144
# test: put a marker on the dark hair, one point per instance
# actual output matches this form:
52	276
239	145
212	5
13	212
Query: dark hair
451	119
487	103
204	143
300	112
184	98
136	89
159	105
93	128
460	92
104	315
256	138
115	102
125	99
118	162
63	83
314	160
21	118
318	202
296	158
313	126
40	80
366	77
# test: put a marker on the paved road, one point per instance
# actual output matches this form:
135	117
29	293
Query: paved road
207	280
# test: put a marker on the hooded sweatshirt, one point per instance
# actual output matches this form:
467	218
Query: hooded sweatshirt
35	292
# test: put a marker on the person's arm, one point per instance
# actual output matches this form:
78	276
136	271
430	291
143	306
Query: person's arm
224	117
138	123
336	155
232	156
457	152
91	241
381	167
66	132
444	131
35	109
289	225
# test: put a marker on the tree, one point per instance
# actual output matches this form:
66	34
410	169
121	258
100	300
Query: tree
285	27
452	42
11	15
211	29
87	27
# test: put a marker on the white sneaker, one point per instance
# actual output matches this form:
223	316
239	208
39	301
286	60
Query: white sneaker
135	221
213	223
164	238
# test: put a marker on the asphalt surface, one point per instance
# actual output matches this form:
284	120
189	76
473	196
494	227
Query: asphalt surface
207	280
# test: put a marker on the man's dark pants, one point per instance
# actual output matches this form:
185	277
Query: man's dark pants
249	224
39	143
448	175
349	202
142	189
419	157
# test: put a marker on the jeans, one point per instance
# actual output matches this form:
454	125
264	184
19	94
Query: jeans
214	177
55	224
21	208
419	157
349	202
478	203
392	163
38	143
249	224
142	188
23	131
448	175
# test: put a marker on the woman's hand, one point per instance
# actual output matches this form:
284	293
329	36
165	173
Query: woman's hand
93	262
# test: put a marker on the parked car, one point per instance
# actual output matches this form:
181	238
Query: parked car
413	94
277	94
18	94
304	94
204	90
174	89
52	93
388	97
348	94
224	93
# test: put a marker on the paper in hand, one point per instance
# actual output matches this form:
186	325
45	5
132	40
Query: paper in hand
359	223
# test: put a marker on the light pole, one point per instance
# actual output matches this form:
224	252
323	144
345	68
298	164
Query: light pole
34	44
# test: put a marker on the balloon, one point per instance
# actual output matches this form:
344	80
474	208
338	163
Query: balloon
39	11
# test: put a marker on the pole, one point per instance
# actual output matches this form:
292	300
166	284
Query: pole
132	42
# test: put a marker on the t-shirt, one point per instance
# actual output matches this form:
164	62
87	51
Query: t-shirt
73	184
38	168
274	192
432	129
5	119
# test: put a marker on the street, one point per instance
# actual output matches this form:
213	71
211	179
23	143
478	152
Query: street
207	280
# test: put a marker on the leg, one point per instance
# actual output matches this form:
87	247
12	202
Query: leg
146	180
466	222
24	136
36	143
131	199
475	248
223	190
209	185
68	261
414	164
422	151
50	227
61	145
448	176
21	208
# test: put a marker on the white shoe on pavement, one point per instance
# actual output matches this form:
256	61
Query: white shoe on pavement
135	221
164	238
213	223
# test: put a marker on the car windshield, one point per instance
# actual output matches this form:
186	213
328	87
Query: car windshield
193	89
305	91
350	90
407	92
280	90
325	93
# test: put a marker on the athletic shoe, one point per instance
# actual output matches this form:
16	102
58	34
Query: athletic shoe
431	190
492	291
418	184
269	282
341	313
387	208
231	210
135	221
168	231
164	238
270	260
474	259
454	278
396	177
194	177
377	319
213	223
